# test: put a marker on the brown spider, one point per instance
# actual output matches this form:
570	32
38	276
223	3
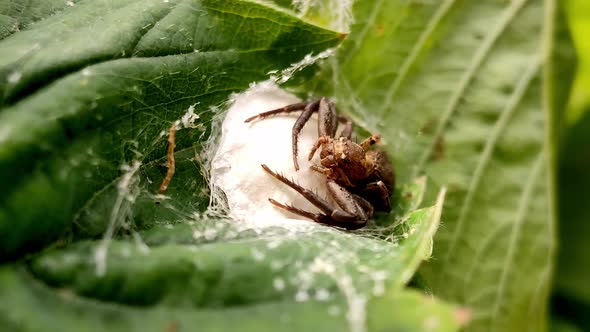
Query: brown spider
359	180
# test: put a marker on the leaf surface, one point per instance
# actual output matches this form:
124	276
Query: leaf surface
350	281
15	15
79	107
572	292
59	309
236	266
578	13
83	129
469	93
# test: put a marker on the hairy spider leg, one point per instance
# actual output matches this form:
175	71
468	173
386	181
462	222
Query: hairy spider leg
308	108
321	141
317	217
353	214
371	140
329	124
327	118
378	194
301	121
347	131
287	109
322	170
350	202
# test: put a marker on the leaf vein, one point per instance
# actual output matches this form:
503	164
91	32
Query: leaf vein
486	155
517	226
475	64
144	32
416	50
363	33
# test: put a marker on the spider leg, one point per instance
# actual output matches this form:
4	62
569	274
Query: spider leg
378	194
350	215
370	141
327	118
321	141
350	202
287	109
347	131
328	125
317	217
321	169
344	177
312	197
330	172
309	109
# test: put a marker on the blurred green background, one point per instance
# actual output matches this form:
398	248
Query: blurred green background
571	297
579	17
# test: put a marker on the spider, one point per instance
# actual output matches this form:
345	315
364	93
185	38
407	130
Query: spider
358	179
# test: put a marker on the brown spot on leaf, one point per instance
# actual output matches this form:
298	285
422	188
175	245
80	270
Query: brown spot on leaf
438	150
379	29
173	326
428	127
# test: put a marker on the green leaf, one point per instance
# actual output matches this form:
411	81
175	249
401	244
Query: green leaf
78	107
560	325
15	15
467	92
211	263
60	309
571	294
346	280
578	12
573	270
84	125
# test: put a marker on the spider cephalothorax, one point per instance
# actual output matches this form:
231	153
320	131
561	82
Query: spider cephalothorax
359	180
